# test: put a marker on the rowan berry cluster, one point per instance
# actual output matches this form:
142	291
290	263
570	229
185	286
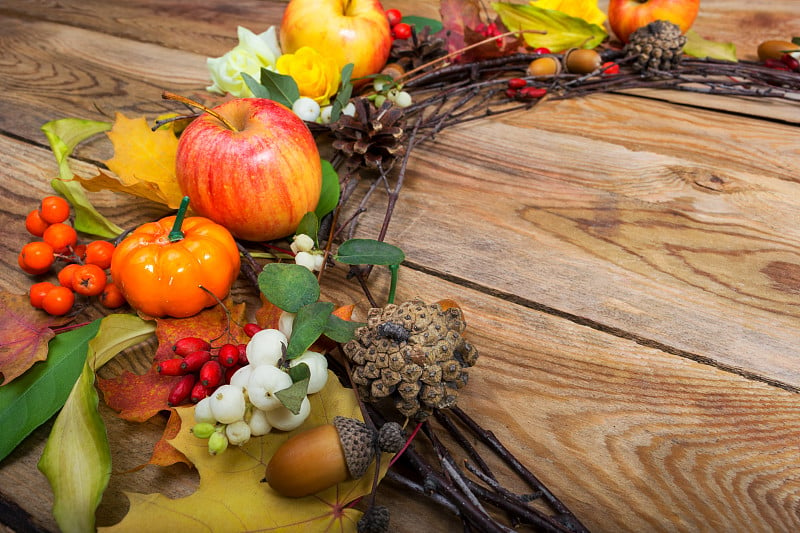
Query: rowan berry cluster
247	404
400	30
81	268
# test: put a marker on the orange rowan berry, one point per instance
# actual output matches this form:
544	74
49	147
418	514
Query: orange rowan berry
38	291
112	297
65	275
60	236
89	280
58	301
99	253
54	209
35	224
37	256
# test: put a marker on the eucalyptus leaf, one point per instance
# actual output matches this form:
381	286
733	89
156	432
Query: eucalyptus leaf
299	372
331	190
292	396
421	22
309	225
341	330
343	94
562	31
64	135
369	252
258	90
282	88
77	457
288	286
309	324
697	46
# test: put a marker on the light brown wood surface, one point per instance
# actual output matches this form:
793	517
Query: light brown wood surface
628	265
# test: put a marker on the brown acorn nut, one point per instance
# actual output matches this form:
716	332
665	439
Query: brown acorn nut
324	456
582	61
774	49
544	67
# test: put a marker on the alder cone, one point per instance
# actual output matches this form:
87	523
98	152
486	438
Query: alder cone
258	179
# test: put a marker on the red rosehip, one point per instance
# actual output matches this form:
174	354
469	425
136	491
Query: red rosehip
401	30
394	16
516	83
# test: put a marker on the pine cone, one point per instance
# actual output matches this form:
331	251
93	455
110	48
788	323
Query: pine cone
419	49
373	137
414	354
656	47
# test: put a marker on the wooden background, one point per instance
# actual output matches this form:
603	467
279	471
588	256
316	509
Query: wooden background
629	266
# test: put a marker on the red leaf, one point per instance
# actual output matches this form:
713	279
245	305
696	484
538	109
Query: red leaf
24	334
457	15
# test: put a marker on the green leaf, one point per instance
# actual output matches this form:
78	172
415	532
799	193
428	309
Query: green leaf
329	197
563	31
282	88
258	90
309	225
341	330
421	22
77	458
288	286
64	135
309	323
292	397
369	252
31	399
696	46
796	40
343	94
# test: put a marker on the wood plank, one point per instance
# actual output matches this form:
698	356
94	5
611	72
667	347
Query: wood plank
632	438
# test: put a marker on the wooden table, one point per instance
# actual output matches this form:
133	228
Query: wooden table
629	266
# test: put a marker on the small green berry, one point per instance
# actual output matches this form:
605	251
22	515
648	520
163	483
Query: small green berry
203	430
217	443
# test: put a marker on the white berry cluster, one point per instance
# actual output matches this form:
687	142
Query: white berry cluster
247	406
305	255
310	111
394	93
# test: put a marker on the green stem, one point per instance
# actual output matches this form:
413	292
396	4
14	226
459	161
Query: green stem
176	234
393	286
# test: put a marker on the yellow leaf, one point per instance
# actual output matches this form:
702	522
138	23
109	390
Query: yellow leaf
232	496
144	162
561	31
582	9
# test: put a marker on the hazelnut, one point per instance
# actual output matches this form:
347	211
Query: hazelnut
774	49
544	67
582	61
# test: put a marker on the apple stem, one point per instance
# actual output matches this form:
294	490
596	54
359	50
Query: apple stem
177	234
166	95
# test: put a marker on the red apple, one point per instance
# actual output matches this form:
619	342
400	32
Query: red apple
350	31
257	177
627	16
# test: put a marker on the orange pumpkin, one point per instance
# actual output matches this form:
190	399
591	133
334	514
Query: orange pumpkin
176	267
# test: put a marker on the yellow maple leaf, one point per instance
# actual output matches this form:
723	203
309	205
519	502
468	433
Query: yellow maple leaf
232	496
143	162
582	9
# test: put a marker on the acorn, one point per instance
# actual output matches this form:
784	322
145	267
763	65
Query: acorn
774	49
582	61
393	70
544	67
324	456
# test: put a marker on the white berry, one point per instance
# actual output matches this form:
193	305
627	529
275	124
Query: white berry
402	99
202	412
227	404
306	259
238	433
325	115
264	382
266	347
349	109
302	243
318	365
286	323
285	420
239	378
259	425
306	108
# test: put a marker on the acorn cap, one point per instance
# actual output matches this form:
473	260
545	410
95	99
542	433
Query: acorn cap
391	437
357	442
375	520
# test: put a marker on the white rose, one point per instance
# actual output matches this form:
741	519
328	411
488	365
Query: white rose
253	53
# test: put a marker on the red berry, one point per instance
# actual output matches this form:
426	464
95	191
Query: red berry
170	367
512	93
541	50
251	329
516	83
181	391
187	345
790	62
532	92
777	64
199	391
212	374
242	354
394	16
195	360
611	68
401	30
228	355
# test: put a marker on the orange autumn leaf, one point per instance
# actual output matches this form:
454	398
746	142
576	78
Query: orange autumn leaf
139	397
24	335
164	453
232	497
143	162
268	314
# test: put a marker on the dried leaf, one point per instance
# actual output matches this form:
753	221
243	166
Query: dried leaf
457	16
562	30
24	334
140	397
144	162
164	453
232	496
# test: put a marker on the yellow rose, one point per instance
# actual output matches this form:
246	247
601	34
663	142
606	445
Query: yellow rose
316	76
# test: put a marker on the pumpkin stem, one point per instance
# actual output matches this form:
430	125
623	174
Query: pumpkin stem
176	234
166	95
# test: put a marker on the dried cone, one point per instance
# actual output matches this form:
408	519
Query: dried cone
656	47
420	49
413	354
373	137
